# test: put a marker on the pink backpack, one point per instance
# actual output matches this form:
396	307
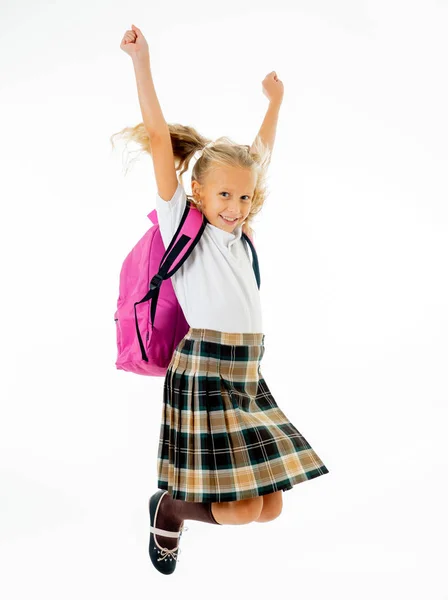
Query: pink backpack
146	339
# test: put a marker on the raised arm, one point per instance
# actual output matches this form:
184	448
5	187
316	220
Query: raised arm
273	89
135	45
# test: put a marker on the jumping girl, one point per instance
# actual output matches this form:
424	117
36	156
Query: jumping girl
226	449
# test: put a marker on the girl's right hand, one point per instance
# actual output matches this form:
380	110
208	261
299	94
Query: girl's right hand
135	44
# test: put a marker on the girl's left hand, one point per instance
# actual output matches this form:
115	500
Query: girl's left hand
273	87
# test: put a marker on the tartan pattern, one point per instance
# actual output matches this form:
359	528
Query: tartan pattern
222	435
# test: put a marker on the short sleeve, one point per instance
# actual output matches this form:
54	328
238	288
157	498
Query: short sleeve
169	214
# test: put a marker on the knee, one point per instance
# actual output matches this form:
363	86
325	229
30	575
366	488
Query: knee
272	507
269	514
246	511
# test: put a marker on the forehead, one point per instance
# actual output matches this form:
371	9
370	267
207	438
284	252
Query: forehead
231	177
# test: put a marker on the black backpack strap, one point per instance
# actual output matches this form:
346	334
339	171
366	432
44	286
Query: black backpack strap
255	264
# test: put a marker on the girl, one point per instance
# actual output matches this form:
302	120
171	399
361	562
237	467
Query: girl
226	449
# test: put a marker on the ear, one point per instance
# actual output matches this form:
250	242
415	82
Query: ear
195	188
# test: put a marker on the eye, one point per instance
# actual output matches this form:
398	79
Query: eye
246	196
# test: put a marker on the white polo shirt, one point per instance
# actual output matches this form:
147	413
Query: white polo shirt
216	286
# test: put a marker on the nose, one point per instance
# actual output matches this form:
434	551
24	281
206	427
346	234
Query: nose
233	207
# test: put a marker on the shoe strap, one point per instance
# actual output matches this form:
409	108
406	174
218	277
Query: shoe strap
168	533
164	532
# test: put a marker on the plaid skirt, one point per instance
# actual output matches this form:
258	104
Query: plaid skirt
223	436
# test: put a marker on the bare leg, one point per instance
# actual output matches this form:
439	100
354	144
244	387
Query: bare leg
272	507
238	512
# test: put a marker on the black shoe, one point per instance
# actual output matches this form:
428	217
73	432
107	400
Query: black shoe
164	559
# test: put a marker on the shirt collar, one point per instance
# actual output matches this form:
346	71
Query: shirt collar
228	237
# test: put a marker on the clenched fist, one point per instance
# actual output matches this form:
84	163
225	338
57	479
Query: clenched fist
135	44
273	87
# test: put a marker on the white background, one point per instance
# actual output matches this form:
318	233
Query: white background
353	246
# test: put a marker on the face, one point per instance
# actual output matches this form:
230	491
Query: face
227	192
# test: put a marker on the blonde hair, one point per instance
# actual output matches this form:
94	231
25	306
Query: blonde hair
186	141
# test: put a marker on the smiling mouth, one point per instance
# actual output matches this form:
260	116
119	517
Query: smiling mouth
228	221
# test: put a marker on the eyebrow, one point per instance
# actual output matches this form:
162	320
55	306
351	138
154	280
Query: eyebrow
228	187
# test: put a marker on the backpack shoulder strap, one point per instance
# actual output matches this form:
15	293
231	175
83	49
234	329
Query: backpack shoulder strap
255	264
187	235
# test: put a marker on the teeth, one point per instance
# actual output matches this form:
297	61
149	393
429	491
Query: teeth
230	220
